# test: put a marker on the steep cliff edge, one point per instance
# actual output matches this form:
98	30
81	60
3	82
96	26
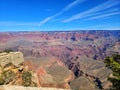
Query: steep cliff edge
16	72
13	71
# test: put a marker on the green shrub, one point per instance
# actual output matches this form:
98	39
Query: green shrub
6	77
8	50
113	63
26	79
2	80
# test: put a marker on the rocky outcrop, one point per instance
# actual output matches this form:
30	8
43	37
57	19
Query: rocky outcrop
13	71
15	58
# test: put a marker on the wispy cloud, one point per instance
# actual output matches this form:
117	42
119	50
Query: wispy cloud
101	13
10	23
45	20
68	7
74	3
104	6
104	15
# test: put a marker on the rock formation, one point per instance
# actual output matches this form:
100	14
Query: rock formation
15	58
92	72
51	71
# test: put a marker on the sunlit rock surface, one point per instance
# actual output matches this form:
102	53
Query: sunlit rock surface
5	87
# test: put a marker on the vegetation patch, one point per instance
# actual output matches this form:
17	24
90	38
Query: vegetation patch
6	77
113	63
8	50
26	78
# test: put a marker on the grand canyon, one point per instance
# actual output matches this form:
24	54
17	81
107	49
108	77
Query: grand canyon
71	60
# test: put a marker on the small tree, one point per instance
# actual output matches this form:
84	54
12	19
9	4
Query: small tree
26	78
113	63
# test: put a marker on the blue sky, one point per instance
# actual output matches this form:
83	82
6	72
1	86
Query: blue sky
53	15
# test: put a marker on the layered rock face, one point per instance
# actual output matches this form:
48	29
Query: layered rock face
94	73
14	58
51	71
44	51
93	44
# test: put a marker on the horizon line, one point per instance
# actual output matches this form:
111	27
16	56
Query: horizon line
62	30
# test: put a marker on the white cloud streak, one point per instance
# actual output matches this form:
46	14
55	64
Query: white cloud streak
108	4
104	15
44	21
74	3
103	12
10	23
68	7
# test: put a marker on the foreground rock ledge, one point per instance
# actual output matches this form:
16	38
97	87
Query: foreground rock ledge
6	87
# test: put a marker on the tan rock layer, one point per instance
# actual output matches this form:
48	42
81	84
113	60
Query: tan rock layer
5	87
14	58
